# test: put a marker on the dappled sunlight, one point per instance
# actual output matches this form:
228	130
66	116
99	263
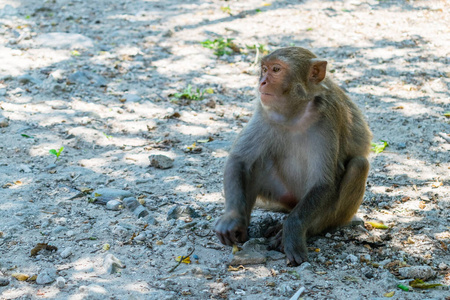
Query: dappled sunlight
14	62
190	130
185	188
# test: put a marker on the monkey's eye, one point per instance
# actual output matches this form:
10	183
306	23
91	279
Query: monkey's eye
264	69
276	69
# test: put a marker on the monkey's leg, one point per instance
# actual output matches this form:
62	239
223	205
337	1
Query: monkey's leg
351	193
325	206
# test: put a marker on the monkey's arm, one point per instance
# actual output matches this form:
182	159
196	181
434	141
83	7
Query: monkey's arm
239	186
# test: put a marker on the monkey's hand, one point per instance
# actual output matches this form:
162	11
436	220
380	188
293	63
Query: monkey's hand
294	242
231	229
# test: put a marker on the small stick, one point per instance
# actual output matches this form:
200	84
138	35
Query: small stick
298	294
181	260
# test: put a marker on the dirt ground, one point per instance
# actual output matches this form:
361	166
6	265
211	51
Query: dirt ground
100	78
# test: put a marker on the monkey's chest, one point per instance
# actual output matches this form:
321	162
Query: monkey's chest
300	169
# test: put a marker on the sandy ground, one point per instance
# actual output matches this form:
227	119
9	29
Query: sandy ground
98	78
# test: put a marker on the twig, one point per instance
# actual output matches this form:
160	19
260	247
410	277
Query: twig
181	260
298	294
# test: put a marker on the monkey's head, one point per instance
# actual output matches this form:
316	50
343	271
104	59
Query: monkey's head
290	78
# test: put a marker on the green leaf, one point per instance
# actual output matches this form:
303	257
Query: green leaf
379	147
60	151
420	284
53	151
447	114
27	136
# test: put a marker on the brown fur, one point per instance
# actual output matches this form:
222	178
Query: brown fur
305	148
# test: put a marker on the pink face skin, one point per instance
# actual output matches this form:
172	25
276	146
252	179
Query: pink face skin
271	82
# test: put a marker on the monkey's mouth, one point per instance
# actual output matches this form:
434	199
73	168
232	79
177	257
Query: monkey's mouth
266	94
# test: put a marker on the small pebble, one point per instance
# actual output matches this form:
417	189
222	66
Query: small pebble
104	195
113	205
352	258
160	161
4	281
112	264
46	276
60	282
443	266
4	122
67	252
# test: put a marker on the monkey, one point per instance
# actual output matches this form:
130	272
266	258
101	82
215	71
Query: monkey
305	149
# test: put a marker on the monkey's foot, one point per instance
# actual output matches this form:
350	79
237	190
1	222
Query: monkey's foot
276	242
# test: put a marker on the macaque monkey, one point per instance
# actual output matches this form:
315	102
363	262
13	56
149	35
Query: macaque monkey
305	149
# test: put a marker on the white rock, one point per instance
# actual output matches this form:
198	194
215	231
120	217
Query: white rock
423	272
113	205
60	282
67	252
46	276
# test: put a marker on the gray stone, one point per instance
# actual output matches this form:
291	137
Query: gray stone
131	203
112	264
58	229
352	258
388	280
4	122
151	220
178	211
103	195
4	281
2	92
160	161
88	78
275	255
422	272
113	204
401	146
46	276
255	244
62	40
248	257
140	211
120	231
50	167
356	221
67	252
132	97
24	79
60	282
304	266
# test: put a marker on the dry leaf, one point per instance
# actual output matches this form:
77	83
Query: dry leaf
389	295
235	249
422	205
233	269
20	276
42	246
437	184
186	260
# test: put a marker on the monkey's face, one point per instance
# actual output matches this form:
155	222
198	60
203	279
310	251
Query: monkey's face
274	84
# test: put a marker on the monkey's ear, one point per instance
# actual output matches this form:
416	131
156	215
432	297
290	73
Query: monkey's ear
317	70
